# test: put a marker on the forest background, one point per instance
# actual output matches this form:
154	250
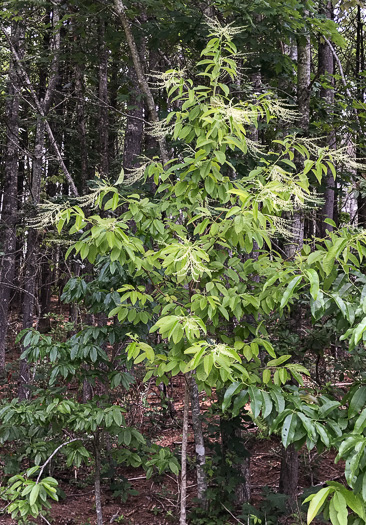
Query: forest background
183	199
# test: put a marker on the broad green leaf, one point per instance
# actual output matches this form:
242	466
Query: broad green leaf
358	401
233	389
316	502
288	429
290	290
34	494
256	400
314	283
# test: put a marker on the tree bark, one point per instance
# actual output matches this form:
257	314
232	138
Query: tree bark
80	112
199	441
183	477
289	475
31	262
135	125
303	104
326	69
103	101
39	106
97	487
144	86
9	212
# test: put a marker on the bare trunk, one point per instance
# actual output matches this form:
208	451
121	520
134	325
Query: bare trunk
289	476
97	488
303	104
9	211
31	263
103	101
144	86
199	441
135	125
326	69
40	107
183	478
80	111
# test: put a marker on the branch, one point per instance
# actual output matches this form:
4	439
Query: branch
53	454
40	110
144	86
341	72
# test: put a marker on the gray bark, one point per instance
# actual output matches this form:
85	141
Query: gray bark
326	69
31	263
183	477
135	125
97	487
144	86
9	211
199	441
103	99
303	105
40	108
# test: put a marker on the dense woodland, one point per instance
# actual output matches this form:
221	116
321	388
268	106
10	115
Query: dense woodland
182	215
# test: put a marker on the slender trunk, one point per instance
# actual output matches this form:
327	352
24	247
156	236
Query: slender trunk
80	112
183	482
33	238
103	101
303	104
199	441
9	210
97	488
144	86
135	125
40	108
326	69
360	68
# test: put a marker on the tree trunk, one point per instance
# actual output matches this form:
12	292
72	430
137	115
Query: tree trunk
199	441
326	69
303	104
103	101
289	475
80	112
97	488
31	263
135	125
144	86
183	478
9	211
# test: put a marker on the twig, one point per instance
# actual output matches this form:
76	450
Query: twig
46	520
53	454
341	72
232	515
115	516
40	109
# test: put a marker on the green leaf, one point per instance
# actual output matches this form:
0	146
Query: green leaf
290	290
314	283
256	400
359	330
289	429
340	506
357	402
233	389
360	424
34	494
316	502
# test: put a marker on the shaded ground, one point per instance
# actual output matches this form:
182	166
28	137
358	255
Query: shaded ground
157	500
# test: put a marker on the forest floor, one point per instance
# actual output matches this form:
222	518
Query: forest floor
156	500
